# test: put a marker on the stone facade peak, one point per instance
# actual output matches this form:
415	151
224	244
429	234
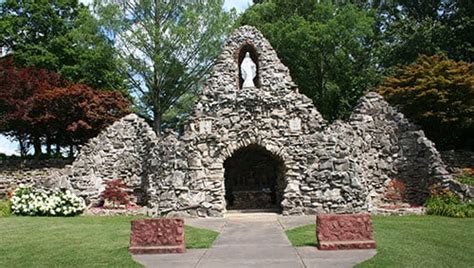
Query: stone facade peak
265	146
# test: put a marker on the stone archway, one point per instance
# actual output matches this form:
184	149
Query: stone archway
254	179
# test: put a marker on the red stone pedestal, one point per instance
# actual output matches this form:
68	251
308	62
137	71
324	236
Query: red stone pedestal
152	236
344	231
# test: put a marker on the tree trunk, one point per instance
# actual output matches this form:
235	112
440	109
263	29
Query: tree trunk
58	149
156	75
321	76
48	146
37	146
157	123
23	146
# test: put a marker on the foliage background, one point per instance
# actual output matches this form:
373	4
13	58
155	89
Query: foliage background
158	54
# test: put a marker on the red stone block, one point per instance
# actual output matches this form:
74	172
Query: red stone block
344	231
152	236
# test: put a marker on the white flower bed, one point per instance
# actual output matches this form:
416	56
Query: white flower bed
26	201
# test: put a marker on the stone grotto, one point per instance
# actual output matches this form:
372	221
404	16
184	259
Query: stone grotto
254	142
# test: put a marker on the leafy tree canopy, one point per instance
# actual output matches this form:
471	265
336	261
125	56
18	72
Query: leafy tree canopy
327	47
410	28
438	94
38	107
168	47
60	36
17	88
73	114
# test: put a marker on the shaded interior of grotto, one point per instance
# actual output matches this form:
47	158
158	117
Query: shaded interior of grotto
254	179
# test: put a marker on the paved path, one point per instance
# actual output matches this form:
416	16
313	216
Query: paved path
255	240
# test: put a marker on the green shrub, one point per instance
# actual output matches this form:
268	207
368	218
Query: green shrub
443	202
466	177
5	208
449	208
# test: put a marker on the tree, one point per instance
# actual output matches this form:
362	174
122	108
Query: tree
461	26
176	116
96	62
39	107
327	47
70	116
60	36
437	94
115	194
17	88
168	46
411	28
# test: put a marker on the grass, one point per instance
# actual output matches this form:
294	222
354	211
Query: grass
465	178
302	236
199	238
75	241
412	241
5	208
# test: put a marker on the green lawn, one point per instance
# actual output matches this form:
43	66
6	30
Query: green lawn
412	241
302	236
76	241
199	238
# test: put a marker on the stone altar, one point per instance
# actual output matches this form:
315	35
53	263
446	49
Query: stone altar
344	231
153	236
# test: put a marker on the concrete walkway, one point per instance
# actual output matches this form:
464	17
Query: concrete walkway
255	240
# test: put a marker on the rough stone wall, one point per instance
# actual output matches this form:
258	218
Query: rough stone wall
342	167
43	174
335	180
238	118
119	152
395	149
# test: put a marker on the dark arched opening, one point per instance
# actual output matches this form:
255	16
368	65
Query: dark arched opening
254	56
254	179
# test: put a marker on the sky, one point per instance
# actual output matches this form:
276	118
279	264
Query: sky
240	5
7	147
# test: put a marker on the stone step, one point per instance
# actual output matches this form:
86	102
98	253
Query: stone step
245	211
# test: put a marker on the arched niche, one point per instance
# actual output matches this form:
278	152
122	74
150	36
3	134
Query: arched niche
248	47
254	179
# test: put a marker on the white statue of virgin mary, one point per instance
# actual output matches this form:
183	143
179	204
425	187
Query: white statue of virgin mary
248	70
